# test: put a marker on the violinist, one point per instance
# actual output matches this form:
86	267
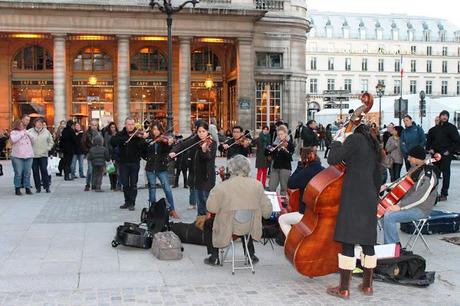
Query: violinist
238	144
419	200
309	166
157	165
202	154
357	220
281	156
130	142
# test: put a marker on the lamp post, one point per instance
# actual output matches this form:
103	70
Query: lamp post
422	106
167	8
380	89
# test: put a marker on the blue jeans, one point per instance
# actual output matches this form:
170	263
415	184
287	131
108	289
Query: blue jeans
77	158
39	166
22	168
201	198
164	180
89	174
392	218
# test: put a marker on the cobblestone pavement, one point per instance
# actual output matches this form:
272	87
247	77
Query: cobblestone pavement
55	250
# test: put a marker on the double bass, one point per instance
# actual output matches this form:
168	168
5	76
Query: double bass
310	244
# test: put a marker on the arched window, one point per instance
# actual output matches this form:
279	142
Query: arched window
33	58
149	59
92	59
202	57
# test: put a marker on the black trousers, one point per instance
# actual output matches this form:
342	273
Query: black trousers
129	174
40	173
444	166
208	240
67	162
98	173
349	250
178	172
395	171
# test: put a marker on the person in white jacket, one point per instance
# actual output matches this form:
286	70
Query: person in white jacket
42	143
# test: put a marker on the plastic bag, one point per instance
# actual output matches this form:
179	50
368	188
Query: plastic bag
53	164
110	167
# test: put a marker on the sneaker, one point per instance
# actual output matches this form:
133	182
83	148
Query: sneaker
124	206
82	176
86	188
212	261
190	207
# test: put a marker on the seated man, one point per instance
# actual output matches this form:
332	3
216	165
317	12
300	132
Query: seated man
419	200
239	192
309	166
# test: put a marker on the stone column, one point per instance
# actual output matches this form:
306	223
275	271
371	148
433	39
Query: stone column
245	83
184	86
59	78
123	79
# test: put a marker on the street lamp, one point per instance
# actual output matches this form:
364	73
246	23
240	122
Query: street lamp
167	8
380	89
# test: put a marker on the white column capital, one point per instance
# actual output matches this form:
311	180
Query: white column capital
245	40
59	36
185	39
123	37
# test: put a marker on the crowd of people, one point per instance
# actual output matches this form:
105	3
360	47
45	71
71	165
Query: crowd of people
372	159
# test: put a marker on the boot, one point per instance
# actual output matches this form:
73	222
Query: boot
124	206
346	267
28	191
17	191
368	263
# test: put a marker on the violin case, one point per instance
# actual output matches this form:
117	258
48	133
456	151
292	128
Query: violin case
133	235
188	233
439	222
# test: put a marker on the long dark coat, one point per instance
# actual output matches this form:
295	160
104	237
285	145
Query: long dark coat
261	159
357	219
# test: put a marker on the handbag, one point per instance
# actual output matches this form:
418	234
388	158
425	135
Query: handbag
388	161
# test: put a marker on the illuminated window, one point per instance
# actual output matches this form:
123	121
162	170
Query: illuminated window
92	59
201	58
149	59
33	58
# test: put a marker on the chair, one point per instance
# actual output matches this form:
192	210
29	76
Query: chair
418	227
242	217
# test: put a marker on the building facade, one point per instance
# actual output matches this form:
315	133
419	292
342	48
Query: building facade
355	52
238	61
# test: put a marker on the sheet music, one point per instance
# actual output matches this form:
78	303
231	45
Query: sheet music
274	199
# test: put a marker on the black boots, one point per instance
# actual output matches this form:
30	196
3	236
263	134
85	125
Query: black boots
368	263
28	191
346	267
17	191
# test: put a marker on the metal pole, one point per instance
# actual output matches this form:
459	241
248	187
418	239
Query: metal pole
169	116
380	112
401	89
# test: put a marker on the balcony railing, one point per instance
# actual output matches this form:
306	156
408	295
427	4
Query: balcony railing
217	1
269	5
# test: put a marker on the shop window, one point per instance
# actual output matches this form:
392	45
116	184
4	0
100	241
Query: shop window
148	100
149	59
92	59
205	103
33	97
34	58
93	101
202	58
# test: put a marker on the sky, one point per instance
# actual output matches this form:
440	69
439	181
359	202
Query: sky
443	9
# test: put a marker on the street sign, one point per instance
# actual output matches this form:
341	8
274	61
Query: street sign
336	106
401	109
245	103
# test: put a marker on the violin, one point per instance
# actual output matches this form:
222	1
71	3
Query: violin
161	139
206	143
139	132
310	244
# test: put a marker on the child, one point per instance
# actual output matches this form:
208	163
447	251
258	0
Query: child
97	156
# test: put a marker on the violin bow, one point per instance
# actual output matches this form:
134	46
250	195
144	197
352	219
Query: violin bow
152	142
192	145
236	141
137	130
281	142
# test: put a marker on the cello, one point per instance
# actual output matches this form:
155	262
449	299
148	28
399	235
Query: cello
310	244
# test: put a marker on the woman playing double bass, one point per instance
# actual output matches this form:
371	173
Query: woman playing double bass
356	220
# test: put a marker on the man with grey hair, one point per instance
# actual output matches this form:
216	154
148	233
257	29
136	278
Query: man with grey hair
223	203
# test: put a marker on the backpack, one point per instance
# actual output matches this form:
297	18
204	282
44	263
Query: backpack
167	246
156	216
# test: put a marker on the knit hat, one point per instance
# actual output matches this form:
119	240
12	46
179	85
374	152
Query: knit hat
444	112
417	152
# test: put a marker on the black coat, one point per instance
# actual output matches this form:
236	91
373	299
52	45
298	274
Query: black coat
261	158
282	157
79	149
442	138
202	171
130	152
309	137
357	218
68	141
157	157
